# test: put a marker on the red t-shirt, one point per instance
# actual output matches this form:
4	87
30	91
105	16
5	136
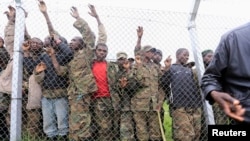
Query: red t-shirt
100	73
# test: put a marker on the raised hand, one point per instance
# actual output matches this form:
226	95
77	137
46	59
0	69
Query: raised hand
74	12
26	46
92	12
123	82
11	14
40	67
42	6
168	62
139	31
50	51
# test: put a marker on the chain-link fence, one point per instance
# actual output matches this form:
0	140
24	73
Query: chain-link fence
66	95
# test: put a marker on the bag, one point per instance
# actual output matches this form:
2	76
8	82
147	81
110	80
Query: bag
6	79
34	94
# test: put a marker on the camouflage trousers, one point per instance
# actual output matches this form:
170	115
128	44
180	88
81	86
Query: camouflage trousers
147	125
103	120
79	117
219	116
127	126
186	124
34	123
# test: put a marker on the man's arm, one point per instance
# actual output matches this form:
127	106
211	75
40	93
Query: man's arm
102	35
82	26
212	78
211	83
43	9
139	37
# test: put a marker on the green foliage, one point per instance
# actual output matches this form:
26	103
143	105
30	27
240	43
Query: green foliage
167	123
27	137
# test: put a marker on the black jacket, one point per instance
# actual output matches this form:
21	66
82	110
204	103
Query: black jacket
184	89
229	71
51	80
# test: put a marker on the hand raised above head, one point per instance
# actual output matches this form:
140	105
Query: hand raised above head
42	6
11	14
92	12
139	31
74	12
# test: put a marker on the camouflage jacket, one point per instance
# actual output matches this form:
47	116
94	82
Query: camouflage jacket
147	75
127	92
80	73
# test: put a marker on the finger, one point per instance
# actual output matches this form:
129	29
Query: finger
74	8
235	116
231	100
11	8
239	110
90	6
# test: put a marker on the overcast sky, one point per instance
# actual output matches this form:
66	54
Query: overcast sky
229	8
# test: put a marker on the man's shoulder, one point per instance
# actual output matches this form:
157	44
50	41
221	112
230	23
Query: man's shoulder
237	30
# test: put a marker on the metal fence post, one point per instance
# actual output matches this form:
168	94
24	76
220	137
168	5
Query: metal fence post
17	73
198	58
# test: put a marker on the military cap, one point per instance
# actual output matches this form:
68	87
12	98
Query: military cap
148	48
205	52
120	55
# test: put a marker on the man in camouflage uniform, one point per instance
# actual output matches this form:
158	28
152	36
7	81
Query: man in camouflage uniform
185	99
82	82
145	101
127	85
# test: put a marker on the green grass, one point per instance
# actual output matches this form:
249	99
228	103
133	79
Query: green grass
167	123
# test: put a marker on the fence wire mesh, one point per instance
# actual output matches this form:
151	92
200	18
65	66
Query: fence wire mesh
67	96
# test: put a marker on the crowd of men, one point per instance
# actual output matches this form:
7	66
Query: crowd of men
71	92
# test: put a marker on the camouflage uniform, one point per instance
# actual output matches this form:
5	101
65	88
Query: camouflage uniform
220	117
82	83
145	101
126	93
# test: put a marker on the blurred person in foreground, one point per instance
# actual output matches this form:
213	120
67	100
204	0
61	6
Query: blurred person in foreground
226	79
